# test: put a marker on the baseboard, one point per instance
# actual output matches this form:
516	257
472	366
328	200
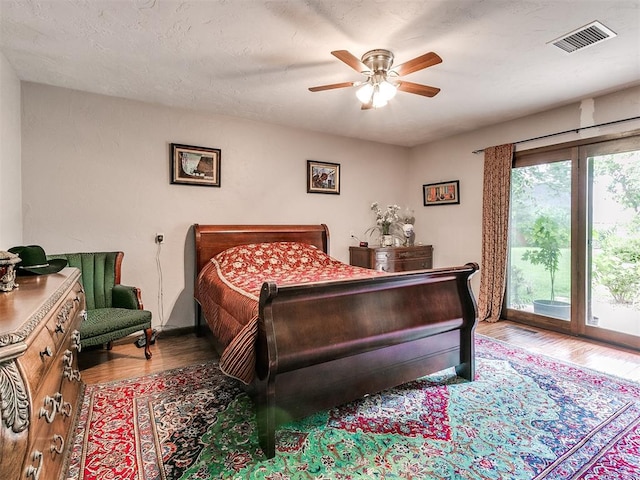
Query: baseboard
176	332
169	332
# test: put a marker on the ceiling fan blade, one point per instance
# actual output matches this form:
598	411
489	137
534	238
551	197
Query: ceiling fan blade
351	60
332	86
418	89
418	63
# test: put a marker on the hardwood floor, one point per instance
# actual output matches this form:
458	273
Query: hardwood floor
125	360
617	361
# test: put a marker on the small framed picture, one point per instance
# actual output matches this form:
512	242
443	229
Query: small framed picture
191	165
443	193
323	177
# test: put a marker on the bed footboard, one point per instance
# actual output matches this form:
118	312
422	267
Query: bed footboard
324	344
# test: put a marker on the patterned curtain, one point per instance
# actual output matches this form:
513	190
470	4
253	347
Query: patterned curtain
495	230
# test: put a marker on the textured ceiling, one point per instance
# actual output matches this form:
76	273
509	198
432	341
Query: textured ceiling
256	59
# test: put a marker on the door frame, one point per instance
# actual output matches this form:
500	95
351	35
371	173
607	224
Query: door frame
578	153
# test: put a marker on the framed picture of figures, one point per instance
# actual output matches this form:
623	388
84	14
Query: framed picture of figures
323	177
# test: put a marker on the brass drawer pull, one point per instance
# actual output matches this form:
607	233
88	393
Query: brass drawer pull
75	340
57	439
65	409
34	472
49	416
67	358
45	352
71	374
67	308
58	405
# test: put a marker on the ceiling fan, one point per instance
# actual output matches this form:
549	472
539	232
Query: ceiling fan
383	81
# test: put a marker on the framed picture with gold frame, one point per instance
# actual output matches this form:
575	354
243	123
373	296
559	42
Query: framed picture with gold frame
191	165
323	177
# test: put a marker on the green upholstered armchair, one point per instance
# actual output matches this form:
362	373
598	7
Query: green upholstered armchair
113	310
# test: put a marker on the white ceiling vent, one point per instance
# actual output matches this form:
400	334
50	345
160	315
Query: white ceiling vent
590	34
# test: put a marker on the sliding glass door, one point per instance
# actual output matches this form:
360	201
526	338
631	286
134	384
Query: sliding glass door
574	255
540	253
613	241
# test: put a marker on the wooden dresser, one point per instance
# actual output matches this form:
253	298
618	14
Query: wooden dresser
392	259
40	382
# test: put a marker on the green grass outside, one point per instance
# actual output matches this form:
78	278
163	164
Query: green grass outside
537	279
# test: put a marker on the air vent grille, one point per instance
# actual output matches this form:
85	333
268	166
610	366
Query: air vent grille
586	36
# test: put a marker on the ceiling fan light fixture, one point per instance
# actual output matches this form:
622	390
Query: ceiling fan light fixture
378	100
365	92
387	89
376	93
382	82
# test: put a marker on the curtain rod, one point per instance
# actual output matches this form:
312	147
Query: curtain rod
576	130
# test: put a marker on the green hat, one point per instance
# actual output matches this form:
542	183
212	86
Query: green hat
34	261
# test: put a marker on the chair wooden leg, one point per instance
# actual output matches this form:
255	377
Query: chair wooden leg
148	332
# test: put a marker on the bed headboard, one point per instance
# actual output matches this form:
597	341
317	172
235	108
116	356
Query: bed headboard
213	239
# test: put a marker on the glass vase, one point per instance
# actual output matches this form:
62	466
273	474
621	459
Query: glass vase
386	241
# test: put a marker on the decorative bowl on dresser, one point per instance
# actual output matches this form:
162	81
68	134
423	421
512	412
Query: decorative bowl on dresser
392	259
40	381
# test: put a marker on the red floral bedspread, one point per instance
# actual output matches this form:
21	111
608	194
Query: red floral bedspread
228	289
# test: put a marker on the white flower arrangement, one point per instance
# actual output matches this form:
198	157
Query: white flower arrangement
386	220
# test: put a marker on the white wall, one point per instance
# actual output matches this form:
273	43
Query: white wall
95	175
456	230
10	176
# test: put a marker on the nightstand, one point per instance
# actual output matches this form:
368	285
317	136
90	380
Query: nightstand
392	259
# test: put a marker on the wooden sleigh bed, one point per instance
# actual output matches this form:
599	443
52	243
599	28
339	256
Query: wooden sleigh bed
319	345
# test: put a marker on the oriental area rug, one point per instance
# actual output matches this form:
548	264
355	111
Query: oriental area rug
524	417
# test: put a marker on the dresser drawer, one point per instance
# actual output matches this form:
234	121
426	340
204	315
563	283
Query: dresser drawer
65	315
45	460
55	337
53	411
400	253
39	338
53	415
39	356
404	265
392	259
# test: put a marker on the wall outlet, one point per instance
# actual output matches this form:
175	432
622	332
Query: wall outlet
159	237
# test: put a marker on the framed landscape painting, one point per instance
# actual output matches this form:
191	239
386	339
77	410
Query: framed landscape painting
442	193
191	165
